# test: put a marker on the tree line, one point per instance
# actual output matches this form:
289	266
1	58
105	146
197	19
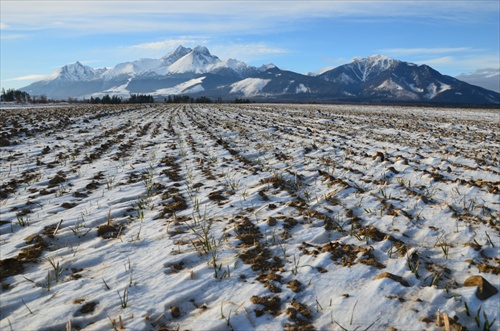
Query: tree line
114	100
12	95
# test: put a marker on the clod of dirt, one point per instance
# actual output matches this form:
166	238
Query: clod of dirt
88	308
92	185
398	279
484	289
177	205
346	255
198	185
4	142
393	170
79	195
57	179
176	266
263	195
289	223
301	308
291	312
248	233
107	231
68	205
373	233
485	267
32	238
46	192
175	311
271	221
32	253
271	304
258	312
46	150
295	286
380	156
300	324
216	196
273	288
10	267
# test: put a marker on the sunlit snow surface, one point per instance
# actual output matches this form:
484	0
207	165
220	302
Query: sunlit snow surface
408	191
249	86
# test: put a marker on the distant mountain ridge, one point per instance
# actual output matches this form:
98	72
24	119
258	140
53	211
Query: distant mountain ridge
196	72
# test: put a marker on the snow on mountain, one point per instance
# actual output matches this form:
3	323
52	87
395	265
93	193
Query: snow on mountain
118	91
76	72
197	72
170	58
191	86
199	61
302	89
265	67
434	89
249	86
134	68
389	84
365	68
240	67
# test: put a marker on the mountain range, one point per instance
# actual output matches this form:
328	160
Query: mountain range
196	72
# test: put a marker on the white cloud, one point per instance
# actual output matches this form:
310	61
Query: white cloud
455	65
28	78
424	51
221	48
324	69
221	16
447	59
170	44
14	36
246	51
470	62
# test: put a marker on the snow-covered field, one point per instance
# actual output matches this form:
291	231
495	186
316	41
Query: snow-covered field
251	217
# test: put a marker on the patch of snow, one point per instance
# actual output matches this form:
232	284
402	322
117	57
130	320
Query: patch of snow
191	86
265	67
443	87
389	85
302	89
249	86
416	89
432	91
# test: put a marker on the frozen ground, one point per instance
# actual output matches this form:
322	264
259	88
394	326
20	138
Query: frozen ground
252	217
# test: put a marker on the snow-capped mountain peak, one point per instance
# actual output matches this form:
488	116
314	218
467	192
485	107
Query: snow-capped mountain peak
175	55
268	66
364	68
134	68
202	50
199	60
379	60
76	72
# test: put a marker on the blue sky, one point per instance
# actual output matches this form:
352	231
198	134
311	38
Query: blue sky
454	37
